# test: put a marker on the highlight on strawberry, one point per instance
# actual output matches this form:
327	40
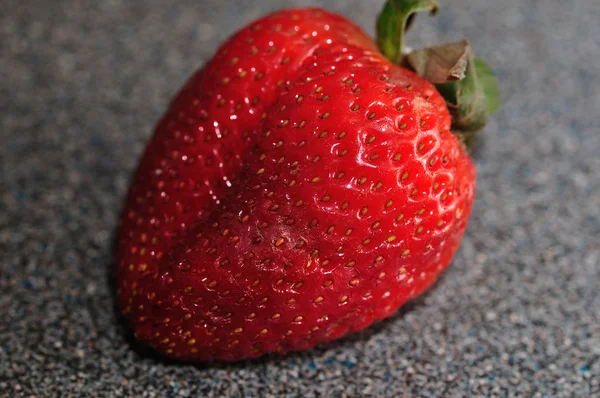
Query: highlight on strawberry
303	184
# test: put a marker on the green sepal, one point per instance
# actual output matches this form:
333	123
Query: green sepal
466	82
490	86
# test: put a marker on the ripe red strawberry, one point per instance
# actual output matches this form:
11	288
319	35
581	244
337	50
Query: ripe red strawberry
299	187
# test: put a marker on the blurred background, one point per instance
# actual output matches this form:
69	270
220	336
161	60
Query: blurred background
82	83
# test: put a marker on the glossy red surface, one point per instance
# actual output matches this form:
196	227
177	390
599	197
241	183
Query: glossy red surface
299	187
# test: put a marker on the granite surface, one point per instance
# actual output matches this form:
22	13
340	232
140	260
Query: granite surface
517	314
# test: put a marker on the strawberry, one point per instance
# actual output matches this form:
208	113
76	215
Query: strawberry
300	187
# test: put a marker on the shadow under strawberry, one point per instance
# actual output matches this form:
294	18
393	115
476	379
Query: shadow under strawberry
146	352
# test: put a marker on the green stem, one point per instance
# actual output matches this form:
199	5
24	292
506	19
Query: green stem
394	20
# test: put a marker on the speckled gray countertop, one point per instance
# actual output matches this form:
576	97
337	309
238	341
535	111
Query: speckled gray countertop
517	314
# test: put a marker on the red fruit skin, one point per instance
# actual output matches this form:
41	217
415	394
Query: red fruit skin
300	187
